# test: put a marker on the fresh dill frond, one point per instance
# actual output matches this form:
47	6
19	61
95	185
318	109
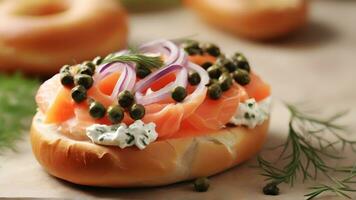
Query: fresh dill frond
17	106
150	62
338	187
307	151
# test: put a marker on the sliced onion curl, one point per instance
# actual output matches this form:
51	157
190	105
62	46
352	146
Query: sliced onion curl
165	92
126	80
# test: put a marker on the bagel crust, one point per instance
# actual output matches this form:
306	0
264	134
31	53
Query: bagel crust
162	162
257	20
40	36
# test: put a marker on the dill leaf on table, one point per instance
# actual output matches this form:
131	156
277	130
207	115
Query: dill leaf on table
311	144
17	106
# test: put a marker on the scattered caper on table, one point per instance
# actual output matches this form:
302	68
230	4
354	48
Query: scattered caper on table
271	189
201	184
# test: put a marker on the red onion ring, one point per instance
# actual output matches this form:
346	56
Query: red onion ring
204	79
155	96
174	54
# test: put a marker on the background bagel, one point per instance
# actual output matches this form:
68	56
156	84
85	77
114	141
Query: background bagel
162	162
254	19
40	36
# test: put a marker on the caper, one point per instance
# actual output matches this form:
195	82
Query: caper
115	113
241	62
86	70
98	60
212	81
142	71
125	99
211	49
230	66
206	65
65	68
194	78
66	78
89	64
97	110
192	47
241	77
225	81
201	184
271	189
214	71
137	111
179	93
83	80
79	93
214	91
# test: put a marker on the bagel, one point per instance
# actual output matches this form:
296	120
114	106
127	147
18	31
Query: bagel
253	19
162	162
40	36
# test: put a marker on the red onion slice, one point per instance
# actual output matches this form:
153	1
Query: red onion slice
155	96
204	79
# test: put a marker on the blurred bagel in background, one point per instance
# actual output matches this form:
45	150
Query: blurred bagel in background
253	19
39	36
149	5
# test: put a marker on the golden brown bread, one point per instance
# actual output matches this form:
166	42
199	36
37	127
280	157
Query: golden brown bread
40	36
162	162
254	19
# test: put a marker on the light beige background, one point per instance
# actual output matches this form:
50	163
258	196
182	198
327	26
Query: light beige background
318	64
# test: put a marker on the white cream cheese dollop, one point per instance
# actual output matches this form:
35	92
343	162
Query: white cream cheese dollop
251	113
138	134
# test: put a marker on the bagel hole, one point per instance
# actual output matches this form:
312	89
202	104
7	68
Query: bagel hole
43	8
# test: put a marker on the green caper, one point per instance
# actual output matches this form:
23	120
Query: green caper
214	91
84	80
98	60
179	93
241	77
137	111
230	66
66	78
115	114
97	110
125	99
241	62
79	93
65	68
86	70
194	78
201	184
211	49
142	71
192	47
214	71
271	189
206	65
225	81
212	81
89	64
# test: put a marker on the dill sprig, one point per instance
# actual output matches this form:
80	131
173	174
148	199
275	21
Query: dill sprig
17	106
307	151
151	62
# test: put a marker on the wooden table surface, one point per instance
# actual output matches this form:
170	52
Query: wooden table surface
318	64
